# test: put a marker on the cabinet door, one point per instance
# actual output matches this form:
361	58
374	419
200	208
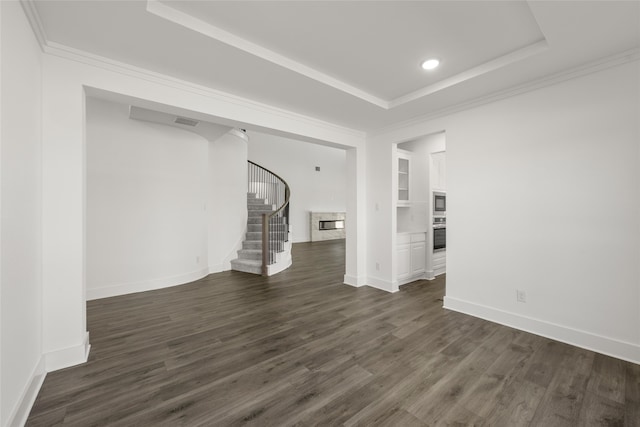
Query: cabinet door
418	258
438	171
404	261
403	179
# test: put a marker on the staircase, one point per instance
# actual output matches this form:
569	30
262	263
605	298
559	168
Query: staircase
268	195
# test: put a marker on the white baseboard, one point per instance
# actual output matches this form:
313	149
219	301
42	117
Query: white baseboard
354	281
20	412
413	279
218	268
146	285
440	270
384	285
600	344
279	266
66	357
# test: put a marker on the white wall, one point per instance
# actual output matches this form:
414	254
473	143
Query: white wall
543	195
227	198
146	198
311	191
22	367
381	213
67	77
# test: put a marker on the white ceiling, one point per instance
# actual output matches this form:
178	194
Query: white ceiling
356	63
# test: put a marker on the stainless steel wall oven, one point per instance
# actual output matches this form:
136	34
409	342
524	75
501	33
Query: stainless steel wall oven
439	234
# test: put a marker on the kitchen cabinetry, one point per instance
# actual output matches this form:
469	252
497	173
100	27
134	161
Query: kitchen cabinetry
439	263
404	169
438	171
411	256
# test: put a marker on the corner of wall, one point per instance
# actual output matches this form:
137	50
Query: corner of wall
356	282
67	357
600	344
383	285
20	413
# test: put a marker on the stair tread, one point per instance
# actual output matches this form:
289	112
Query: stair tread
250	256
247	261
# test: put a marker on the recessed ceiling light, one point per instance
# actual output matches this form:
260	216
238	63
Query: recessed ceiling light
430	64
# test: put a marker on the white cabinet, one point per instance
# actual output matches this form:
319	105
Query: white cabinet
411	256
439	263
404	177
438	173
418	258
404	261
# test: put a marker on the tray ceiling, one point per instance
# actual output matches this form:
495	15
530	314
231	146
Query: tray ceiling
351	63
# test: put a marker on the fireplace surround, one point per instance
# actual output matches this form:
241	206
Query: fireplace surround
327	225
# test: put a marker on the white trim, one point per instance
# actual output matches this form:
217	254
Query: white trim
383	285
66	357
598	343
66	52
217	268
440	270
354	281
20	412
280	265
191	22
29	8
147	285
621	58
412	279
72	54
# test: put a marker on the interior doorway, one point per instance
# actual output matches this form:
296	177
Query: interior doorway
421	203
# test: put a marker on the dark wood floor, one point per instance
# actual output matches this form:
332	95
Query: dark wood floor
301	348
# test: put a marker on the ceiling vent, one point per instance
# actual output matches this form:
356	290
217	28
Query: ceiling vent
185	121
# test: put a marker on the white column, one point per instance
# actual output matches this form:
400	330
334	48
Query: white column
227	203
356	248
65	337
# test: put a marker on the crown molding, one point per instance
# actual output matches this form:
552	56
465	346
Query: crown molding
191	22
62	51
77	55
66	52
29	8
621	58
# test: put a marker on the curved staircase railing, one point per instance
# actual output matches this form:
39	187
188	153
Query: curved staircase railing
275	225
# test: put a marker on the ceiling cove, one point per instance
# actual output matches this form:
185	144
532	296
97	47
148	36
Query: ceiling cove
187	20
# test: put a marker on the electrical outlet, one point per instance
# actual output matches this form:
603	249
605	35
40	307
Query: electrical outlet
521	296
377	266
197	260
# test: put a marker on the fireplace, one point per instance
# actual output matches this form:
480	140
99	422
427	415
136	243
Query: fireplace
327	225
332	224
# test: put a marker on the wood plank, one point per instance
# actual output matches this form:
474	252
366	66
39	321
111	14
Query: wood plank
300	348
608	378
564	397
600	411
